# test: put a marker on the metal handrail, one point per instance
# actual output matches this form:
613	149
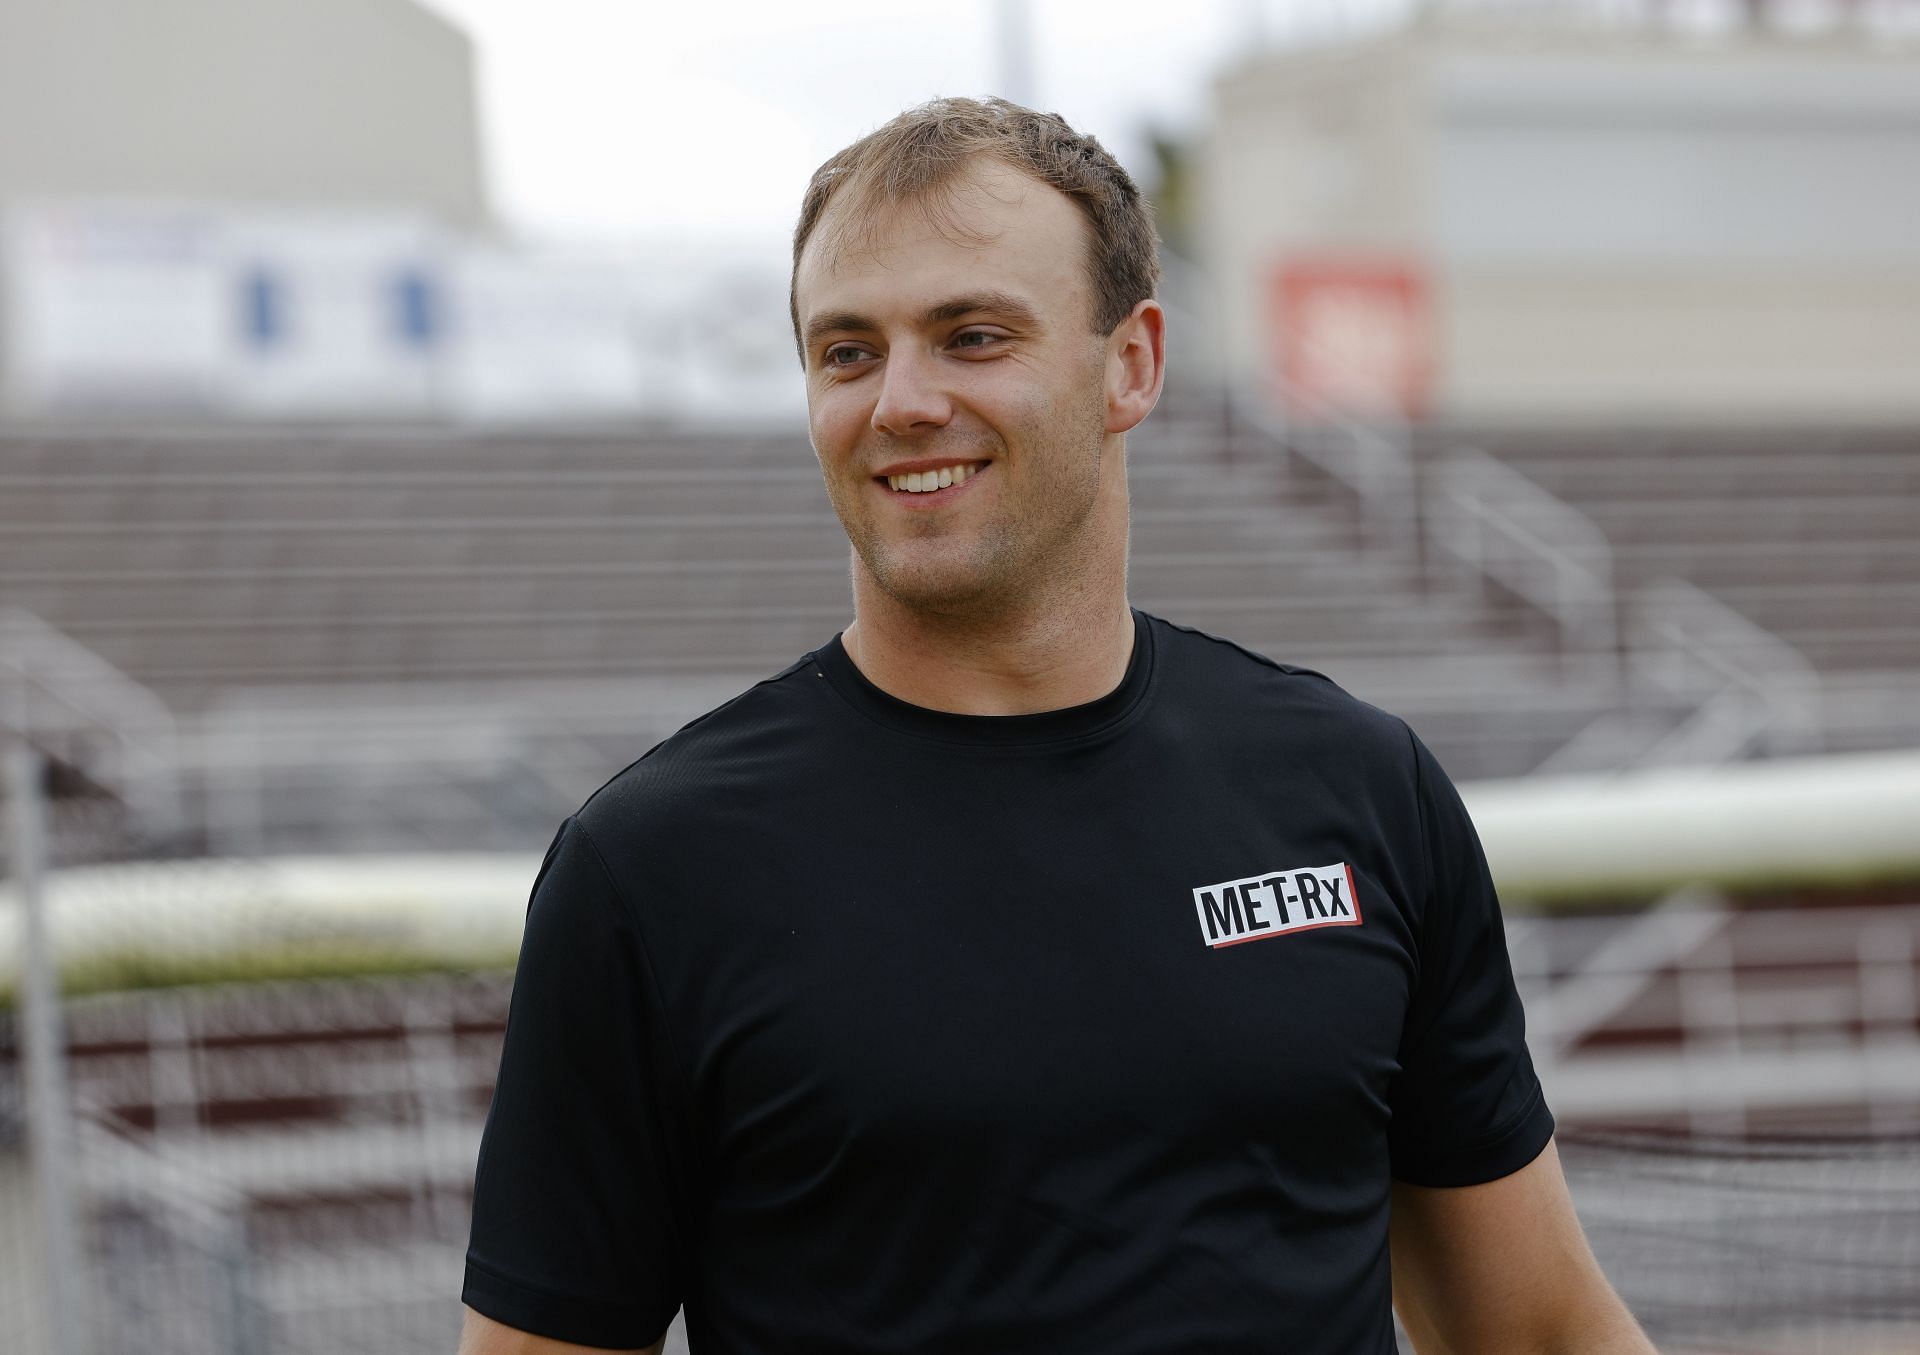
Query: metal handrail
1502	525
32	651
1488	516
1374	462
1754	688
53	687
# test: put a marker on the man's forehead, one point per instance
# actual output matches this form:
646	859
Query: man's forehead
955	226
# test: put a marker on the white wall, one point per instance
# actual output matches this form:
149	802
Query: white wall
128	308
346	103
1663	157
1308	154
209	310
1623	226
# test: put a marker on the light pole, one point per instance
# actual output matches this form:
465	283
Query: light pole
49	1125
1013	52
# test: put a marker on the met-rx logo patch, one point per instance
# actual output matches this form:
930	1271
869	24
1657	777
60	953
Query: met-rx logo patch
1277	902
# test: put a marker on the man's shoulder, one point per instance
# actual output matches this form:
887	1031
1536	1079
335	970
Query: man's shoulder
1224	674
745	739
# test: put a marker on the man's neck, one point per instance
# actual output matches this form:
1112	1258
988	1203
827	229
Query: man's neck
1046	659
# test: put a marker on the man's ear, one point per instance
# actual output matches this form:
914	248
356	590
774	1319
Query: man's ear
1136	365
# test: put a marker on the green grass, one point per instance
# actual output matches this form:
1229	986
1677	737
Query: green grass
1627	889
133	970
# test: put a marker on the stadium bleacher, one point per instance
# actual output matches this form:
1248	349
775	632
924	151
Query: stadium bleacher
213	562
247	560
1813	535
594	589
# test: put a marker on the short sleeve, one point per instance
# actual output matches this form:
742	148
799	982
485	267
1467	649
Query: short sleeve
1467	1106
579	1206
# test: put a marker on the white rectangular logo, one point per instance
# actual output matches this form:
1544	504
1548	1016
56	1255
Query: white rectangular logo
1276	902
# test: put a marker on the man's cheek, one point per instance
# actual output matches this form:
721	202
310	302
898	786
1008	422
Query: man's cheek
841	434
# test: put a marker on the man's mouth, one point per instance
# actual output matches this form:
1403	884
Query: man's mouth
932	481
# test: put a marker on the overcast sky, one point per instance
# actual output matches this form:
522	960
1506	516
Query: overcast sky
614	118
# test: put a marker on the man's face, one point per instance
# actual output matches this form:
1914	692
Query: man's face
961	354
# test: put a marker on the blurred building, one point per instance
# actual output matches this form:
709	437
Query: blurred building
242	211
228	206
351	104
1531	221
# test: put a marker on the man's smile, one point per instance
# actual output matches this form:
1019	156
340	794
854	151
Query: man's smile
929	482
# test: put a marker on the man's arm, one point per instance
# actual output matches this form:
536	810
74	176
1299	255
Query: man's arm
483	1336
1502	1268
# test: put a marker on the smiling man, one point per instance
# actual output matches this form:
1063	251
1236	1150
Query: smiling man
974	984
959	329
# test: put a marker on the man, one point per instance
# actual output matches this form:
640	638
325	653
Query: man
1016	972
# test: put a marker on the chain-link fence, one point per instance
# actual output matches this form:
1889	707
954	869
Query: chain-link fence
1808	1245
269	1080
274	1073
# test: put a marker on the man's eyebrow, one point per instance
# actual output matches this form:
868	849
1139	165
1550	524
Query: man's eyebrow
993	303
835	322
1004	304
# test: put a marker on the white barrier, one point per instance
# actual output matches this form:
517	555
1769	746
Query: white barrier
1790	821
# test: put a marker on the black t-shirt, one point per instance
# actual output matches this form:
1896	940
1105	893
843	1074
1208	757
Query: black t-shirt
856	1026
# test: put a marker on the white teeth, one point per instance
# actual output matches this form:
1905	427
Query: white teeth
924	482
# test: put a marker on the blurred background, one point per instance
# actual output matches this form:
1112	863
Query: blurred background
400	433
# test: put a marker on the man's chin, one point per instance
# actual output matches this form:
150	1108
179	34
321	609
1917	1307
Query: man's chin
943	587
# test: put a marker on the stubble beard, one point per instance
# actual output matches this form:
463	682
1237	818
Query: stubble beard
1026	549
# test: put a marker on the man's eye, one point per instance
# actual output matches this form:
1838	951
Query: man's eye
966	340
842	355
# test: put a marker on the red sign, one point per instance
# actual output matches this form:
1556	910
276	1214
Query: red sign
1351	334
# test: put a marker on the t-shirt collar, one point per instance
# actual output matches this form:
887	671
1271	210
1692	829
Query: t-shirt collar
1069	723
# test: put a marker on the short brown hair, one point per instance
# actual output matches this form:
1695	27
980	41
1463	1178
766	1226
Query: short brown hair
923	149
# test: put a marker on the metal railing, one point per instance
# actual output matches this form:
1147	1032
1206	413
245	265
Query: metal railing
274	767
1700	1014
1501	525
1371	459
1750	690
62	697
1756	693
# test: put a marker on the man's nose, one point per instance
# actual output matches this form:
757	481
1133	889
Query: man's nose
912	397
